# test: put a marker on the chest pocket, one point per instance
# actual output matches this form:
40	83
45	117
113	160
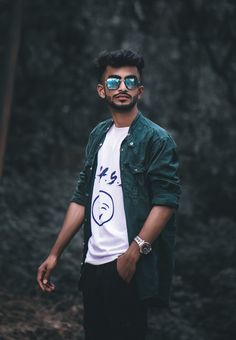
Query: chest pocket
135	179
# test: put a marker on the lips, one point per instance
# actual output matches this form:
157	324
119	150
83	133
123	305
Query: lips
122	96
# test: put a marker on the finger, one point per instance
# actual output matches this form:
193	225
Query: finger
40	276
131	274
49	287
47	276
129	278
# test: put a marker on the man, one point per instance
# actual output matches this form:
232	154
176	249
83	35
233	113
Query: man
125	198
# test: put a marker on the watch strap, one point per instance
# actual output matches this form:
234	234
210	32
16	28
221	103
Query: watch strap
144	246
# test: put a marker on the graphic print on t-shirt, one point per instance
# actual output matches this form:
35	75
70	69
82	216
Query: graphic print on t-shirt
103	208
103	203
109	237
111	178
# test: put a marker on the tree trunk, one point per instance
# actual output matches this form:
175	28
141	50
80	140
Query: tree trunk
8	68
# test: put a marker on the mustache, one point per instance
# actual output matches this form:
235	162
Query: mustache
122	94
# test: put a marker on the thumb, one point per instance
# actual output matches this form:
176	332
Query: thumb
47	275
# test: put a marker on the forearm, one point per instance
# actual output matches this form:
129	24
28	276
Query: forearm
154	224
72	222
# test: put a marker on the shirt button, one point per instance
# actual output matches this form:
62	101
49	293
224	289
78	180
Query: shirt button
131	143
122	149
136	170
90	168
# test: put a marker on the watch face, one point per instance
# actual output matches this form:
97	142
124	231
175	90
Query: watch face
146	248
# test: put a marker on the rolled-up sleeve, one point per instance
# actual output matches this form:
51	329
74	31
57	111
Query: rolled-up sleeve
79	195
162	173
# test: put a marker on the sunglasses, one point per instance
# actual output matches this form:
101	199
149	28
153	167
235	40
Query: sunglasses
131	82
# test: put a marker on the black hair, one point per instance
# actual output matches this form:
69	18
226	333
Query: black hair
118	58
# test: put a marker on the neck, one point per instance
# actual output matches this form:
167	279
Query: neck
124	119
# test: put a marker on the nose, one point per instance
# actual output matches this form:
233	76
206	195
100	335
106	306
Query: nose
122	86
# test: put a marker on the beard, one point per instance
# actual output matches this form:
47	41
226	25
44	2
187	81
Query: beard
121	107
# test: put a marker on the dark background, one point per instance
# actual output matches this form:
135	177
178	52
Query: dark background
189	48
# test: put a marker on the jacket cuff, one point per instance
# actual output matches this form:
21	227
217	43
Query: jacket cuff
78	199
165	199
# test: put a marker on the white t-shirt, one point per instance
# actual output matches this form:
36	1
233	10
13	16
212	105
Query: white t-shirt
108	222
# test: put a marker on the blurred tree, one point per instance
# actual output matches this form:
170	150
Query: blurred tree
8	70
189	51
189	78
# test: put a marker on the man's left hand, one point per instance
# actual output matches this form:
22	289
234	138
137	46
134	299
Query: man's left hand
126	263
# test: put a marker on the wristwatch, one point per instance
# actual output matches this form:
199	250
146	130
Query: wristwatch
144	247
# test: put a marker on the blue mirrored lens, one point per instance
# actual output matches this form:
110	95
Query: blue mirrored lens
131	83
112	83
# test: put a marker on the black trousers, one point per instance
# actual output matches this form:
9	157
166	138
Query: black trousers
112	310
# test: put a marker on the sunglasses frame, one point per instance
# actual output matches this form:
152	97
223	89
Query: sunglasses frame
120	80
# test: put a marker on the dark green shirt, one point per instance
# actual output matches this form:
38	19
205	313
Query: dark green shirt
148	167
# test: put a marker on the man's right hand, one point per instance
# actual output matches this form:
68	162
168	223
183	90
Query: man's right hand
44	272
72	222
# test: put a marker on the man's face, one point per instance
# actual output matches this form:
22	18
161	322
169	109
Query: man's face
122	98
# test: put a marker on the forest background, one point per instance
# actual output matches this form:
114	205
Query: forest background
189	48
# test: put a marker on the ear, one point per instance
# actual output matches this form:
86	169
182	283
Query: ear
140	91
101	91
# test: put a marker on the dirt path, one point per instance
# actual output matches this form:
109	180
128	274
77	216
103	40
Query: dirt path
22	317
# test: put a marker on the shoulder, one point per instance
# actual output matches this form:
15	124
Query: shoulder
155	132
100	127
